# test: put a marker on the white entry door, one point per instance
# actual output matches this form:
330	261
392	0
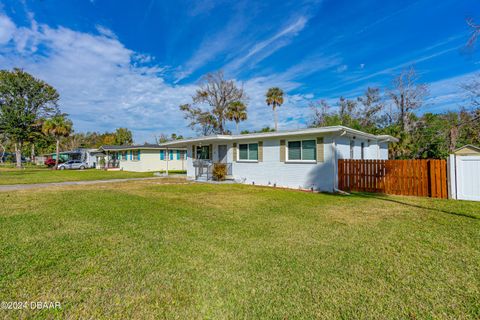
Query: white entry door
468	177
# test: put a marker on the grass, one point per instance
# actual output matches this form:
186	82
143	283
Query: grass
10	176
171	249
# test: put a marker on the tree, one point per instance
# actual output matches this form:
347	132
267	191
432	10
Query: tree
407	96
3	143
372	107
58	126
23	101
108	139
472	89
218	94
348	113
274	98
264	129
123	136
465	120
204	119
175	136
165	138
237	111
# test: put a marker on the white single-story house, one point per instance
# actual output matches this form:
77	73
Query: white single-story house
142	158
305	158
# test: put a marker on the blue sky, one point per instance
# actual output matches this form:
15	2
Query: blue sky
131	63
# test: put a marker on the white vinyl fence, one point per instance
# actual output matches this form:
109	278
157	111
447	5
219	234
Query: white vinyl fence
464	177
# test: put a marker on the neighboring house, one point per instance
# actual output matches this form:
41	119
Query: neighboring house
305	159
142	158
89	156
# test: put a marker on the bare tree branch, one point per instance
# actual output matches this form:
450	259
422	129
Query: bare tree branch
407	96
475	33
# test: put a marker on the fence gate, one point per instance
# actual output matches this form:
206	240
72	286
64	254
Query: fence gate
424	178
467	177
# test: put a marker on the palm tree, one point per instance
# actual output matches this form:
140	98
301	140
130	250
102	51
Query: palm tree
275	99
237	111
58	126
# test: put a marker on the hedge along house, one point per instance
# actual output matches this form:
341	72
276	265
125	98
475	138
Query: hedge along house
305	159
142	158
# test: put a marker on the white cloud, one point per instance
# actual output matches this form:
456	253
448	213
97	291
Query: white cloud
7	29
391	70
342	68
105	31
447	94
104	85
211	47
267	47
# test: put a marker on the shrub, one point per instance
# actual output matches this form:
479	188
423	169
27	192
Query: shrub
219	171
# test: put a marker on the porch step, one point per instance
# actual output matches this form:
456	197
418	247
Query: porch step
202	178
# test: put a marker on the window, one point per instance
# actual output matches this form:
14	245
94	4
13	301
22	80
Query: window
203	153
178	154
352	146
248	151
303	150
162	154
135	155
170	154
363	150
124	155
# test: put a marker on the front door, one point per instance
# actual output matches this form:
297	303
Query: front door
222	153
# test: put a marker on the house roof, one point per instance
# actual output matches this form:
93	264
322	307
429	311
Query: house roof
279	134
145	146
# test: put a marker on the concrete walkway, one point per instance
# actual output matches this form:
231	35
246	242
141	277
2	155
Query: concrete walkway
13	187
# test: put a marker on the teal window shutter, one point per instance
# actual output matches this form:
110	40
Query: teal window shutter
162	154
178	154
138	155
171	154
130	155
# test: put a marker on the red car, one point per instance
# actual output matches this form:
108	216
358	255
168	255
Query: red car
51	162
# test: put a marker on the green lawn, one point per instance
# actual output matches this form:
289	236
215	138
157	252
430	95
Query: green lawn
168	249
44	175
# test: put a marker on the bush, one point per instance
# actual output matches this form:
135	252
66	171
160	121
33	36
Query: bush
219	171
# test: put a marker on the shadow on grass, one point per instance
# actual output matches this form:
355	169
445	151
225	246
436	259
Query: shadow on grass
388	199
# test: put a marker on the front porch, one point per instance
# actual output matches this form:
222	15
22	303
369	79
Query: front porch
108	161
204	169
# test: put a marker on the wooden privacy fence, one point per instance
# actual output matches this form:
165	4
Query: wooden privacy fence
424	178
